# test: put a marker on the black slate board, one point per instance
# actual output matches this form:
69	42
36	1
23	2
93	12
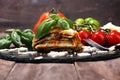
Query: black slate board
93	57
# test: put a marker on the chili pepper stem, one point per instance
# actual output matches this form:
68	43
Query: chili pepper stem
53	11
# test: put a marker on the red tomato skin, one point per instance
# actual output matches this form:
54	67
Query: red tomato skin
99	37
113	38
43	17
84	34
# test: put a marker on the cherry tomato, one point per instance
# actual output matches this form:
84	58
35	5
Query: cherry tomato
99	37
113	37
93	22
79	21
84	34
88	19
43	17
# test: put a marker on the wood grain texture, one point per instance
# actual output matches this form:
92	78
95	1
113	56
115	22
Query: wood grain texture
5	68
43	72
101	70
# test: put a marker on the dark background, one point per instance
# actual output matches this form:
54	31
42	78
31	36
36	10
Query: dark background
26	12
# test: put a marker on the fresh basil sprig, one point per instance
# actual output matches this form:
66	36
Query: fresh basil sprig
17	37
62	23
27	37
5	41
44	28
53	21
65	23
70	22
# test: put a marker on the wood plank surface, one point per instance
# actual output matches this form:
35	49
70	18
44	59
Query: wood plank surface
5	68
43	72
100	70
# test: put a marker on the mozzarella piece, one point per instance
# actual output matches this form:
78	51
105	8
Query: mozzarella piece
69	32
83	54
111	27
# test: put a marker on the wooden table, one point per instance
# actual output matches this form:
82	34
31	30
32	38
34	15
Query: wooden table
99	70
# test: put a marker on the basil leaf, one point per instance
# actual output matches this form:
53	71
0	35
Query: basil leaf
70	23
28	33
7	36
63	23
44	28
4	43
27	37
16	38
54	16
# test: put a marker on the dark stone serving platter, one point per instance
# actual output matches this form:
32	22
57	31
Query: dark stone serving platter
30	59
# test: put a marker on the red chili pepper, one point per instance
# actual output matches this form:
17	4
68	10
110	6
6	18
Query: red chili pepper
43	17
